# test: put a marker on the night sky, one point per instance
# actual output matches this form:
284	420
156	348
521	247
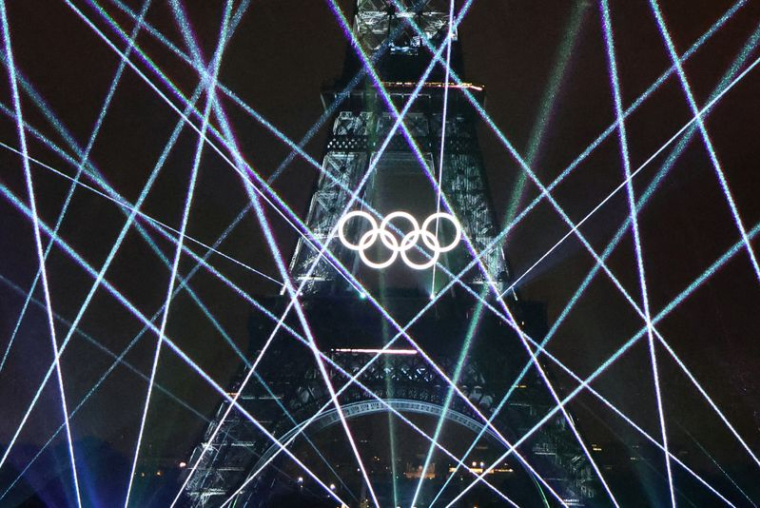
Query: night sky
280	58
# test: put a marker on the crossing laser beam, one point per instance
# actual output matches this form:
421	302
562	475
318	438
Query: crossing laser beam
210	98
80	167
742	57
704	134
38	246
623	138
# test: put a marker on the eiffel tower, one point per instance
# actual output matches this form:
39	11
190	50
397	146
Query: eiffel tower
393	166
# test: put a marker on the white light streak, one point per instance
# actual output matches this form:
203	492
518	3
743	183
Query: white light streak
627	183
615	84
178	252
38	247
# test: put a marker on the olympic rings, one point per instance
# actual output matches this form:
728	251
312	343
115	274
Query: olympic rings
408	241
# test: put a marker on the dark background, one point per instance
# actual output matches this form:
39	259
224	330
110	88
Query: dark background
280	58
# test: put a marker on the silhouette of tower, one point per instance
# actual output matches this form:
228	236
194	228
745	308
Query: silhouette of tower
391	175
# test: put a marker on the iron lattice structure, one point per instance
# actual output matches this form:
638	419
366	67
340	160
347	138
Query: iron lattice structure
289	390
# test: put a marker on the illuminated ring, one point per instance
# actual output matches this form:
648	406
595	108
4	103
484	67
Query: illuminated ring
383	235
437	247
433	259
409	240
364	243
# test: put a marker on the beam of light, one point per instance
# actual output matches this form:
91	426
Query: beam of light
612	128
76	258
280	323
199	67
742	57
705	136
622	136
686	126
385	144
217	326
467	400
245	171
264	122
444	376
390	393
723	19
210	97
121	202
646	195
183	282
392	445
553	202
449	36
125	206
705	109
162	159
96	176
733	70
491	283
706	36
664	146
352	379
251	371
724	185
24	209
128	207
187	33
597	142
294	293
67	136
711	271
119	360
586	383
38	245
80	167
21	207
215	273
251	419
399	116
167	262
447	401
279	261
548	103
99	178
297	148
720	468
551	95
